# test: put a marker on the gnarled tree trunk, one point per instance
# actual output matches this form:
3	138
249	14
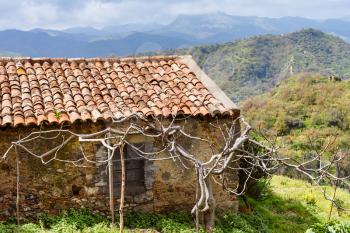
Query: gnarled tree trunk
209	215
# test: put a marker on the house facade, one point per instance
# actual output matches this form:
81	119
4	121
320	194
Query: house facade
83	96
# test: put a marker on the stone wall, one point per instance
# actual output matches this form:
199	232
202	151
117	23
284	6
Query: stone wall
56	186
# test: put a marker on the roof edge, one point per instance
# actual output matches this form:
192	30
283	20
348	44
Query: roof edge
213	88
92	59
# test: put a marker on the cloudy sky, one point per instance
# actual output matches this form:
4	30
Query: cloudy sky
58	14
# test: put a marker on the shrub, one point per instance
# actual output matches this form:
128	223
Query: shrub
101	228
310	199
281	127
177	221
247	223
82	218
30	228
259	189
46	220
339	204
140	220
64	226
330	227
8	228
292	123
172	226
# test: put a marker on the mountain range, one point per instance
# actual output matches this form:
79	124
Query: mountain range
129	39
255	65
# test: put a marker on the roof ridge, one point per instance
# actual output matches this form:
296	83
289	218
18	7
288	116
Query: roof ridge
123	59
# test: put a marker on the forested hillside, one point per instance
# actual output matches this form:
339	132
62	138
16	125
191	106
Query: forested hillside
253	66
304	113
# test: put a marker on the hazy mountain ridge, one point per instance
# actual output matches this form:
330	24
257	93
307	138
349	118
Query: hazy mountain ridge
41	44
184	31
221	27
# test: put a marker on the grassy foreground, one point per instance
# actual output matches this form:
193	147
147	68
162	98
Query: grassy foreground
313	197
290	206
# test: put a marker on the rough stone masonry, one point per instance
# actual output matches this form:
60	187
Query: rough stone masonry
57	186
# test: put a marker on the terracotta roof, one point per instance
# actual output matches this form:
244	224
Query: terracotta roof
57	90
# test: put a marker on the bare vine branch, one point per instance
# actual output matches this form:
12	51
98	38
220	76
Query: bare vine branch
238	152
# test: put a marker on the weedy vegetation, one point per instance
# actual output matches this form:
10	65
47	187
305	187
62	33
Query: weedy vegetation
284	207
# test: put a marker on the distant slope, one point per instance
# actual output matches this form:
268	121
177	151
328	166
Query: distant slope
303	109
209	28
118	39
220	27
249	67
39	43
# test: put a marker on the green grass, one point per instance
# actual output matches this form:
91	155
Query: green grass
291	206
312	197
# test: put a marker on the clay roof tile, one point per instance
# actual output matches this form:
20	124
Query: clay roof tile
58	91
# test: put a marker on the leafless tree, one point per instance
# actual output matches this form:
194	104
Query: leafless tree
237	152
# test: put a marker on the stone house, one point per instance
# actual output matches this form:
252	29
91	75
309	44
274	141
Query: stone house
83	95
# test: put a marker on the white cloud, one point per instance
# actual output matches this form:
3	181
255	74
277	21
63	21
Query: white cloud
27	14
110	13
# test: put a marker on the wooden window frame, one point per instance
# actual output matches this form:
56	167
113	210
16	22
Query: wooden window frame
135	171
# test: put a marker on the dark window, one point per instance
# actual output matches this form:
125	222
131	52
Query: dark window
135	171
